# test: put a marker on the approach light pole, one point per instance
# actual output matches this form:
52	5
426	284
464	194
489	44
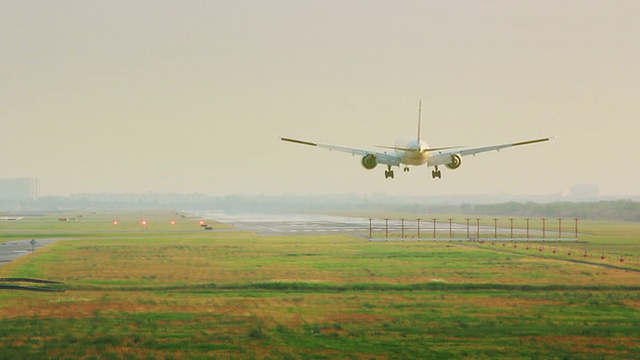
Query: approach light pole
495	228
468	228
418	228
369	228
576	219
477	229
560	228
450	230
511	220
386	228
544	229
434	227
528	227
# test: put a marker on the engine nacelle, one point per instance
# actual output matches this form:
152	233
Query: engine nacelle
369	161
455	163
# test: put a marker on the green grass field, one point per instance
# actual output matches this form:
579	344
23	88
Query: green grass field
166	291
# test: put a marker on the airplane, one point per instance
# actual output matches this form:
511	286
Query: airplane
416	152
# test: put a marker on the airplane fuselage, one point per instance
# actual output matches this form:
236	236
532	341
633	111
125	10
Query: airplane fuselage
415	156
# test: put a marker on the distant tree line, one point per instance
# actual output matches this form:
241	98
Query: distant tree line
624	210
604	210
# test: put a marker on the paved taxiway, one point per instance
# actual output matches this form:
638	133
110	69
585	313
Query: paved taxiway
14	249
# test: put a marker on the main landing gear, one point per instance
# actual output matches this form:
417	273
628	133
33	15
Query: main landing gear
388	173
436	173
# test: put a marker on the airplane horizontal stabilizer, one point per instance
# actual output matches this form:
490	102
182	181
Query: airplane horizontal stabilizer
418	150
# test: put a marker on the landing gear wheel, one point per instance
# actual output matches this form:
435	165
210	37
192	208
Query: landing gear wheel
436	174
388	173
406	169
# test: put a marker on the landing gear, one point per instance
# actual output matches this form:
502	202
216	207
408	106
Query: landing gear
406	169
388	173
436	173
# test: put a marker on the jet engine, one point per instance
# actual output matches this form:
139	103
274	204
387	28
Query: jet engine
369	161
455	163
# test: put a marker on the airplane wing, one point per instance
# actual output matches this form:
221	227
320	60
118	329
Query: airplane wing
473	151
381	157
444	157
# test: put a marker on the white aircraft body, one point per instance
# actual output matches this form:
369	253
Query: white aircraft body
416	152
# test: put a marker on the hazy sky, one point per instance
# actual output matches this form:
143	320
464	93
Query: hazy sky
190	96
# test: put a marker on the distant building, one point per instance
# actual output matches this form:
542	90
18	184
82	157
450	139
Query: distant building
150	198
19	189
585	192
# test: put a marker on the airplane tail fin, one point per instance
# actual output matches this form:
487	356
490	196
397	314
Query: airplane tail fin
419	120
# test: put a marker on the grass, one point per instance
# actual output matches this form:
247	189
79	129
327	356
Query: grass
177	291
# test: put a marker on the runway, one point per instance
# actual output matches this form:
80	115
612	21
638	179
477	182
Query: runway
292	224
315	224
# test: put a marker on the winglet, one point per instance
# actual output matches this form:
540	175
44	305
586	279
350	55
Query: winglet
298	141
533	141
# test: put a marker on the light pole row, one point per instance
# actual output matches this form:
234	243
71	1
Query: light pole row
495	227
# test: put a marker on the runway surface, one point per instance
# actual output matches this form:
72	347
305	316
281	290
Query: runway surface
314	224
292	224
284	224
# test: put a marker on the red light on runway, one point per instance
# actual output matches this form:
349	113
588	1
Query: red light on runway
144	222
173	222
115	222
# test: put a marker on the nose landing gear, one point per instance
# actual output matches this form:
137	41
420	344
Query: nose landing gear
436	173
